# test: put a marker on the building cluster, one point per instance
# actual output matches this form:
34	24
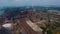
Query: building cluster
29	21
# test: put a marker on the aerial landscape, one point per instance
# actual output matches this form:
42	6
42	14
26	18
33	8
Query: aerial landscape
29	17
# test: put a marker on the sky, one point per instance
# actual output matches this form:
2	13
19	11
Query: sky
29	3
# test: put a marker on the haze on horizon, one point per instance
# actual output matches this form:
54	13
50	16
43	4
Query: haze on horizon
29	3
